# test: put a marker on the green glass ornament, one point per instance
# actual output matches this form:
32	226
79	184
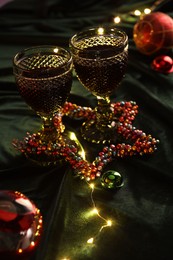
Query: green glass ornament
112	180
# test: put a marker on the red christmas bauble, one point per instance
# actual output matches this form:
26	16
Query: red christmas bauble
163	64
153	33
20	225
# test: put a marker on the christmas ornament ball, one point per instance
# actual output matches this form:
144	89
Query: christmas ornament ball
20	225
153	33
163	64
111	180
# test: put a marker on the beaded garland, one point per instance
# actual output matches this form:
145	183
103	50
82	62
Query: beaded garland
139	143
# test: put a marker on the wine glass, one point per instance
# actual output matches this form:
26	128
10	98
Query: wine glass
44	78
100	57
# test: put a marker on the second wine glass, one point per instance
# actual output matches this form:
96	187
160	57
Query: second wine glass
44	78
100	57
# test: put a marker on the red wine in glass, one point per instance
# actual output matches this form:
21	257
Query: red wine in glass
100	57
43	75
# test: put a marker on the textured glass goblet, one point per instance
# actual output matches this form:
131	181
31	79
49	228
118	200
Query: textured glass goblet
100	58
44	77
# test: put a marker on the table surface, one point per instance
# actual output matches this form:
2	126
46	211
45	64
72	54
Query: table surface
142	209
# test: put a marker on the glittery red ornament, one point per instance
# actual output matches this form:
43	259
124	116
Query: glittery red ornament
163	64
20	225
153	33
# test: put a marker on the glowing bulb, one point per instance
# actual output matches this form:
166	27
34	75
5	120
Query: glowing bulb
56	50
32	243
90	240
109	223
91	185
40	221
72	136
95	210
100	31
147	11
137	12
117	19
20	250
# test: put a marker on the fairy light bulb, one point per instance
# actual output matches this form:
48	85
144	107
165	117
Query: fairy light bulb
56	50
137	12
147	10
100	30
90	240
32	243
91	186
117	19
109	223
95	210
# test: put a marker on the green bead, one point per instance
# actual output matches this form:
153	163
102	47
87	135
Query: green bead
111	180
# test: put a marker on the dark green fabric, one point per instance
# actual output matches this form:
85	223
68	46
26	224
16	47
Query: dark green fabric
142	209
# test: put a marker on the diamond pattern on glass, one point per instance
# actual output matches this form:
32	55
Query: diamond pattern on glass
42	61
45	85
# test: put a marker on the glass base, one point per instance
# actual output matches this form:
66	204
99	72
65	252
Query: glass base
91	133
47	153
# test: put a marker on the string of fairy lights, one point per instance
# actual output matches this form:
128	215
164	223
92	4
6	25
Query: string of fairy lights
94	211
138	12
107	222
117	19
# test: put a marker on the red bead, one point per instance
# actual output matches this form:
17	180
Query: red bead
105	149
101	154
92	176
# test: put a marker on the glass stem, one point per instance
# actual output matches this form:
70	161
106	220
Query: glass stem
104	114
47	123
49	132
